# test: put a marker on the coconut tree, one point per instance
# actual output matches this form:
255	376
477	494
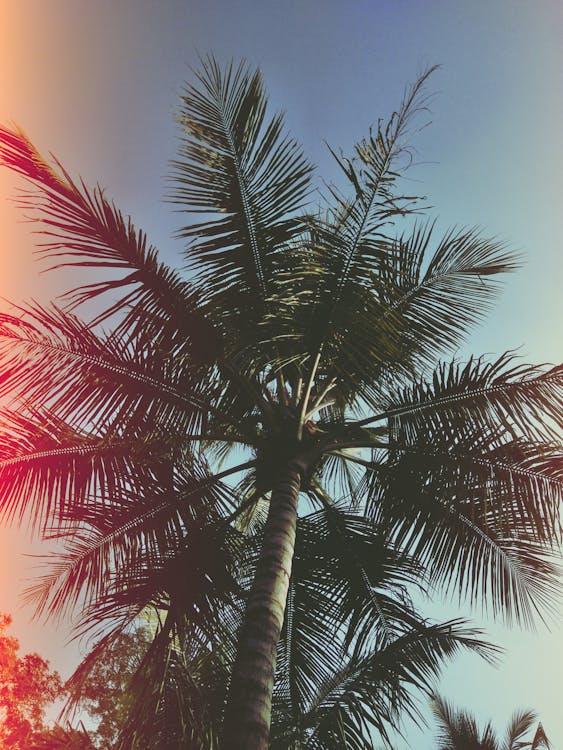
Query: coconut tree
61	738
458	730
295	363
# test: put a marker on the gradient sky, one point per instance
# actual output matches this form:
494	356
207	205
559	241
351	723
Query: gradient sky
97	85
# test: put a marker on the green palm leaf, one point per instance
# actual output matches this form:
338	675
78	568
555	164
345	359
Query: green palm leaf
49	356
527	400
483	517
372	690
45	464
458	730
84	229
238	167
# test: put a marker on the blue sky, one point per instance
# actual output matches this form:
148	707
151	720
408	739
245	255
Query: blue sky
97	84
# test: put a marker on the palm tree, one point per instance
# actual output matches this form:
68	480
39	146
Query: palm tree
61	738
293	365
458	730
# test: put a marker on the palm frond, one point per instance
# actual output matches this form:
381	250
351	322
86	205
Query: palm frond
540	739
421	313
348	599
458	729
178	695
45	465
519	725
128	551
238	167
367	694
526	399
484	519
84	229
436	298
348	248
51	358
62	738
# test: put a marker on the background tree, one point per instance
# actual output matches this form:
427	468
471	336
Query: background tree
61	738
184	454
107	693
27	687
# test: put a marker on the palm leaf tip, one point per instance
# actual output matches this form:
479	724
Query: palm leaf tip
19	154
540	739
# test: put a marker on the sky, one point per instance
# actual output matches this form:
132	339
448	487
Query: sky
97	85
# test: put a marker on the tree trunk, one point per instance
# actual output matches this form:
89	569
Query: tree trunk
248	713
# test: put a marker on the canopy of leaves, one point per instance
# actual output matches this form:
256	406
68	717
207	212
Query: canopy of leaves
148	439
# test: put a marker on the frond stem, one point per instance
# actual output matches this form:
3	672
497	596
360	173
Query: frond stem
305	402
453	398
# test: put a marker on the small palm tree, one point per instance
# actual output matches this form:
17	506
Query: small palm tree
62	738
459	730
287	387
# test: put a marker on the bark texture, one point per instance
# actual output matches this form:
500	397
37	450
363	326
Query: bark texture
248	714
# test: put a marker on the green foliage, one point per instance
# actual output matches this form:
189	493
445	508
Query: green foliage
61	738
27	687
458	730
106	694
